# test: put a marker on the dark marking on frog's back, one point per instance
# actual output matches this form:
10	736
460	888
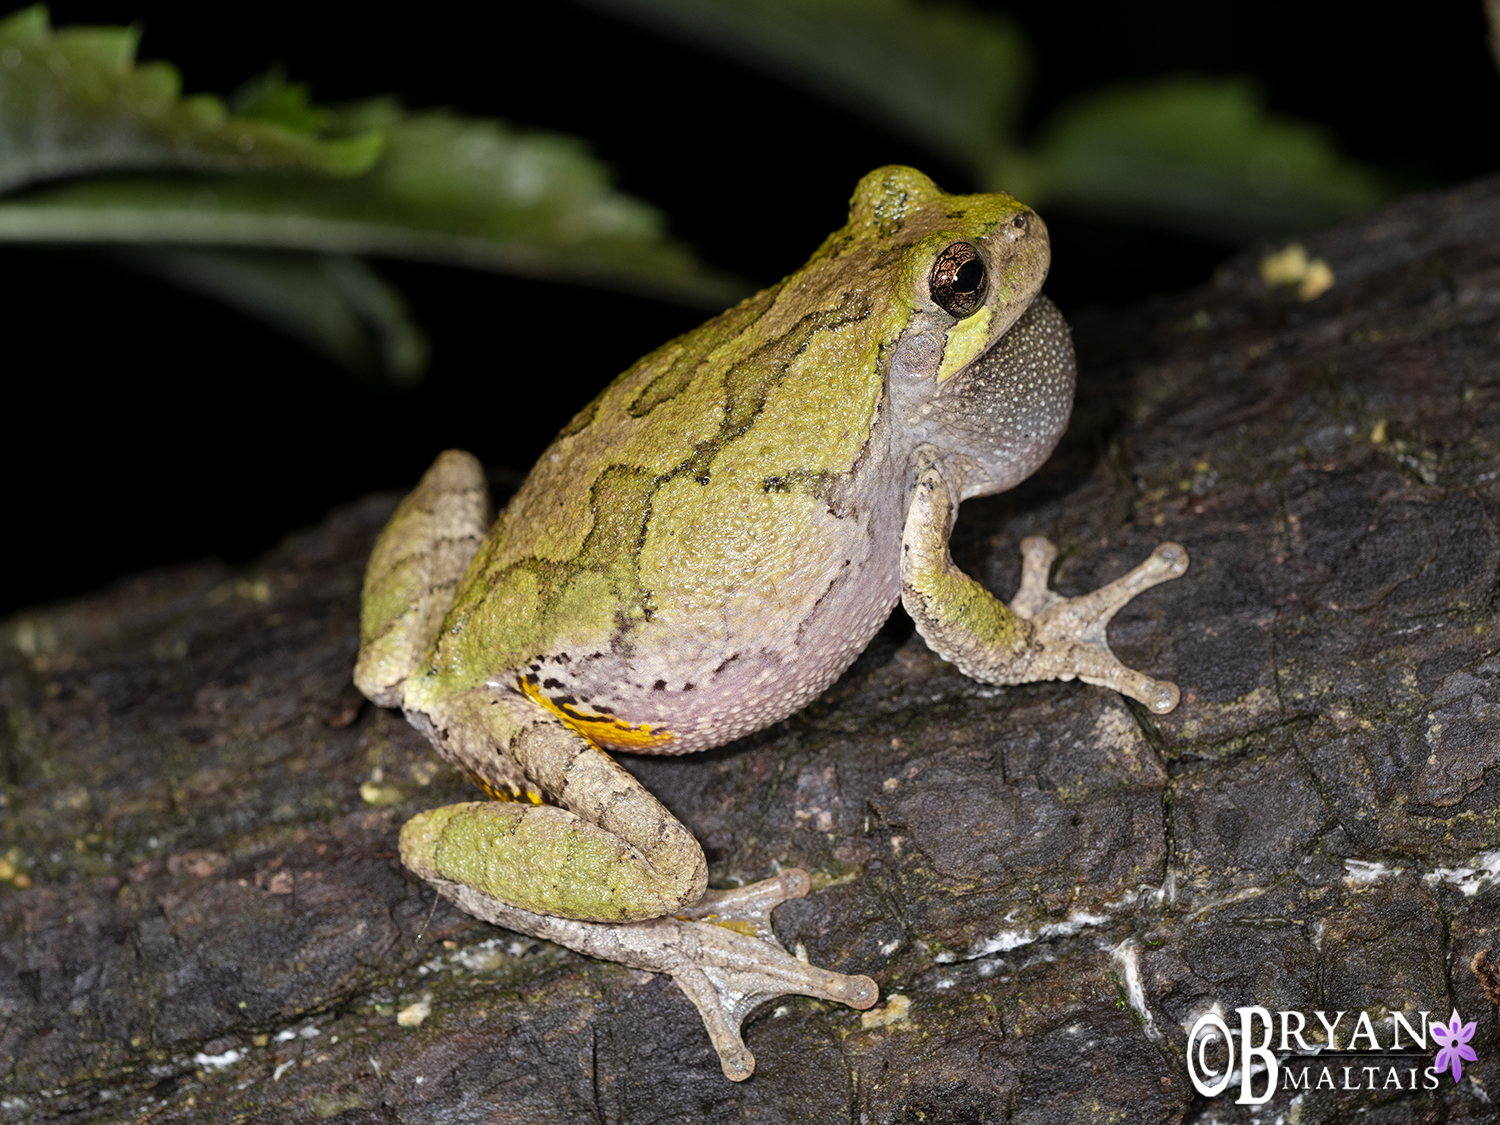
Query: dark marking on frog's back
680	365
582	420
748	383
621	496
621	503
665	386
819	485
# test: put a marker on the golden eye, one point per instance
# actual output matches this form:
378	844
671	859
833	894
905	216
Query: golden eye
959	281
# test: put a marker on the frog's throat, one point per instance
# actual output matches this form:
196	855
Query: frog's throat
602	730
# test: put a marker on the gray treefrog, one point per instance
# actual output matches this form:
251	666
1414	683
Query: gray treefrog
701	551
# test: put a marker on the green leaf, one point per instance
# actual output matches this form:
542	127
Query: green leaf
950	78
74	102
446	189
1200	155
270	97
1192	154
266	208
335	304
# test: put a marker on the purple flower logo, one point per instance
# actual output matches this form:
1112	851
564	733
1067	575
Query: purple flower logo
1453	1037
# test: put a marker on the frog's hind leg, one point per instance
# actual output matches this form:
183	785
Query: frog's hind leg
415	568
604	869
600	849
725	972
1041	635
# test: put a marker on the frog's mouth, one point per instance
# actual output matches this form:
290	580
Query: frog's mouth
605	731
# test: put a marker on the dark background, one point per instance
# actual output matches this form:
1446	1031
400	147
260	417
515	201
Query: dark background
145	426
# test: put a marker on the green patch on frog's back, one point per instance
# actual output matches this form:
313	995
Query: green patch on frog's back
505	616
674	367
512	610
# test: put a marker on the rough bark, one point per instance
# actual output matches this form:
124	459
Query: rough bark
1052	881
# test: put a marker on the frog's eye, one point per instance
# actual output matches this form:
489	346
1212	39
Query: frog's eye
959	280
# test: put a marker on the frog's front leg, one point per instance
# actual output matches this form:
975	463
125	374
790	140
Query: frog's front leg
1042	635
609	872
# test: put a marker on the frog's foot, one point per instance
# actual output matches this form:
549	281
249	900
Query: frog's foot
1041	635
721	952
1071	631
731	963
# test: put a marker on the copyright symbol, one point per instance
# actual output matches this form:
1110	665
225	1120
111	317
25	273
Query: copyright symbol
1210	1025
